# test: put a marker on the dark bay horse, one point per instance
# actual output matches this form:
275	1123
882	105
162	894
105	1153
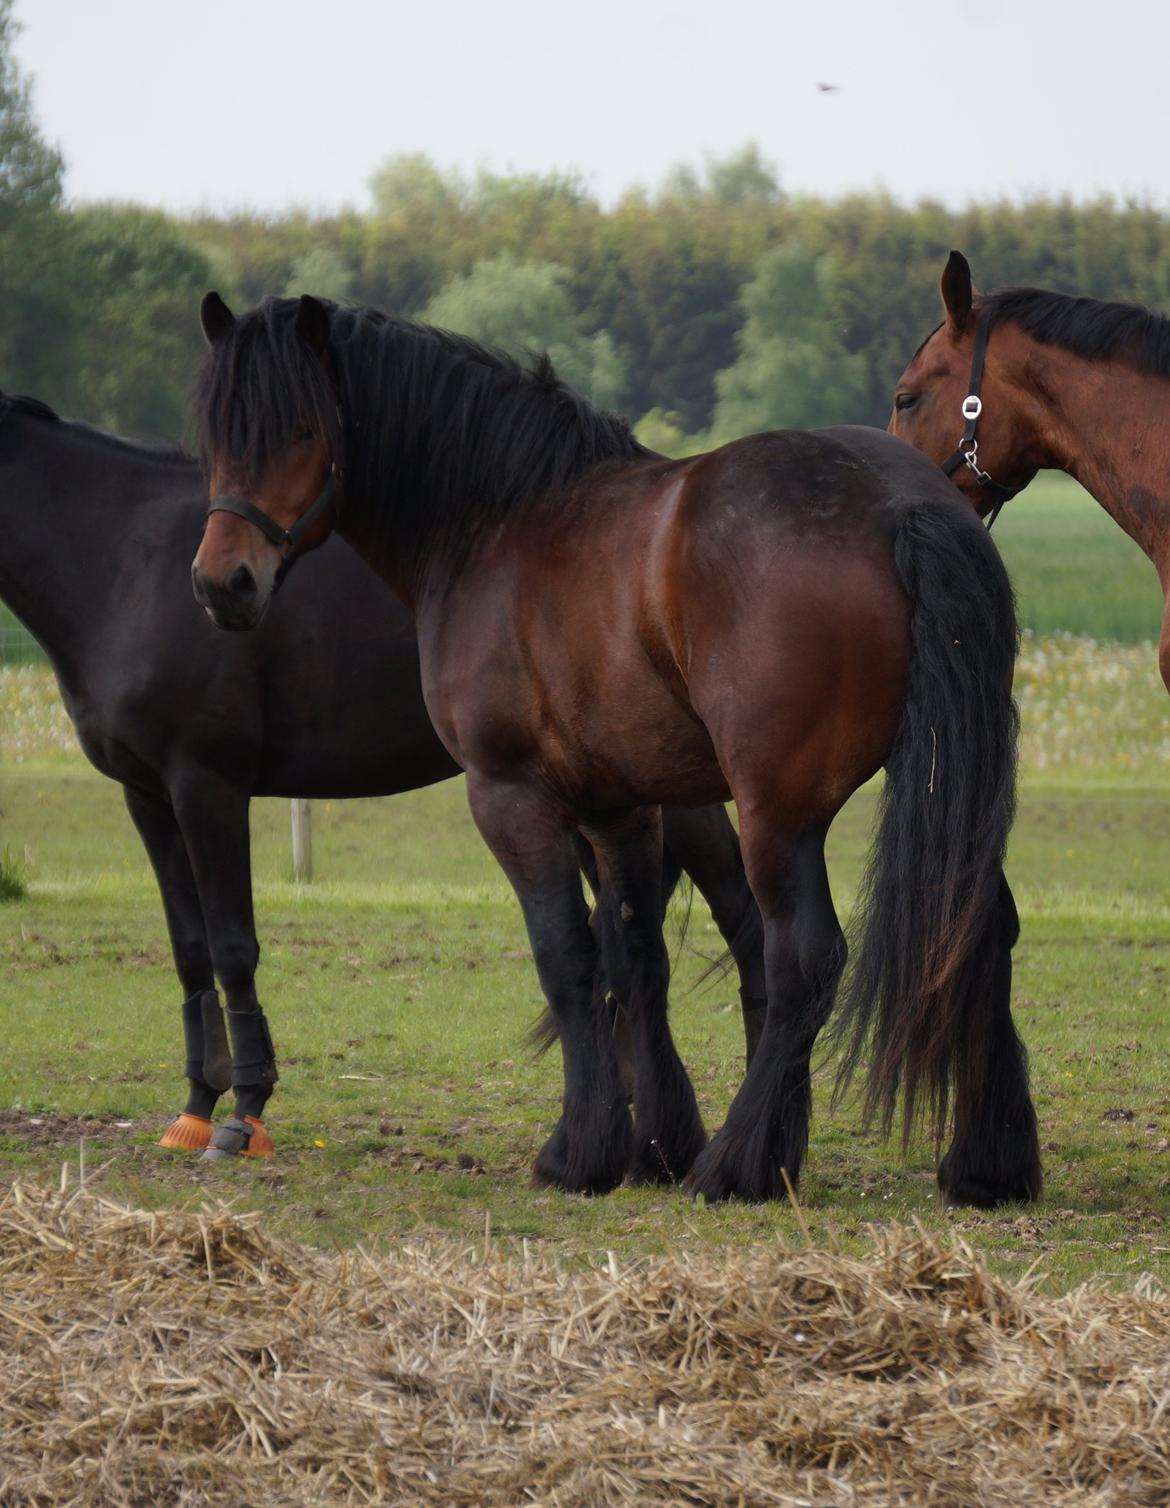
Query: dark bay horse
602	630
1073	384
96	539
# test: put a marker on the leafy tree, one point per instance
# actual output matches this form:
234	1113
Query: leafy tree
142	343
30	169
410	183
743	178
522	307
793	370
36	290
662	432
321	272
665	281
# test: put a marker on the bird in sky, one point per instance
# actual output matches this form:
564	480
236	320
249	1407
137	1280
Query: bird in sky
828	88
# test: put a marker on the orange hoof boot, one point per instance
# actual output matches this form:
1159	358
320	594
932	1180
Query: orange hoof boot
187	1133
259	1143
239	1138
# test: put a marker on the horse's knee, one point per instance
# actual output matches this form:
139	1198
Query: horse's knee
236	959
192	963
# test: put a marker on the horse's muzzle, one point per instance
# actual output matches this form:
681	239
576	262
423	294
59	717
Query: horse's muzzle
239	602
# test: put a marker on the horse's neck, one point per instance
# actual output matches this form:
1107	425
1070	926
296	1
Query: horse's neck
1110	429
68	502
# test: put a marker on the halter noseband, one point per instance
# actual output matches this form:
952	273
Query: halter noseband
285	540
967	450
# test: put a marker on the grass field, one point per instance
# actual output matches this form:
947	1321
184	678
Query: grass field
1074	570
399	988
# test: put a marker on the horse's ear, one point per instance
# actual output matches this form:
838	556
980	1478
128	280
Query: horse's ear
957	292
313	323
215	317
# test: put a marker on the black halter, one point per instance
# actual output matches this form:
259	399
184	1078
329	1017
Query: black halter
285	540
967	451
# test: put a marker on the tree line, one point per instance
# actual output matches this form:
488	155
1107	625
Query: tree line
711	306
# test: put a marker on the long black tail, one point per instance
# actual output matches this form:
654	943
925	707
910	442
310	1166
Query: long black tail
927	918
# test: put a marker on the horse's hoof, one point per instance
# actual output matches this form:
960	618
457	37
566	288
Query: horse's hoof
239	1138
557	1167
187	1133
986	1193
722	1171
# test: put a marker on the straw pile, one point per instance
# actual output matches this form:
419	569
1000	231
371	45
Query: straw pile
188	1359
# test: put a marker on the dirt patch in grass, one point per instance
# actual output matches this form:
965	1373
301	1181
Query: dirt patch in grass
64	1130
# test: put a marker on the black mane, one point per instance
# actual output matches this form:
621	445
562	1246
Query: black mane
1086	326
437	435
33	407
164	451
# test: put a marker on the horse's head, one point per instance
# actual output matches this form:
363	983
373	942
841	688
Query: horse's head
962	400
269	437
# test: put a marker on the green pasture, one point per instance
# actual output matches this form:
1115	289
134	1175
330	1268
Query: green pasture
400	988
1073	568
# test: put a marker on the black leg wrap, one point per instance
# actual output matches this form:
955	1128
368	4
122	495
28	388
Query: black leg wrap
253	1061
207	1078
253	1056
217	1058
193	1036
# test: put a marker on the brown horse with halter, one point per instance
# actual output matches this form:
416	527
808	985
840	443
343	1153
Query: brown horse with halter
1046	380
602	630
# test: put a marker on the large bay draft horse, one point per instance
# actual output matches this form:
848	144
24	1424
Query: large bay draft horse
96	539
602	630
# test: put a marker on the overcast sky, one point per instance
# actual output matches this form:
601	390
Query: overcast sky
265	103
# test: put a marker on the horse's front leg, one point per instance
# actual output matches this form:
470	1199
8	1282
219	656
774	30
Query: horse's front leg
589	1149
668	1132
213	817
208	1063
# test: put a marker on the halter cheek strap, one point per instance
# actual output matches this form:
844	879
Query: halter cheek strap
967	451
286	541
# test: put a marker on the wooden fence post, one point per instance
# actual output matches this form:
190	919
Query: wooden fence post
302	839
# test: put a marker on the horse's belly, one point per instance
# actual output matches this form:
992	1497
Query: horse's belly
636	746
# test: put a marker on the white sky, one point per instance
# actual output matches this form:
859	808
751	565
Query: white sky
266	103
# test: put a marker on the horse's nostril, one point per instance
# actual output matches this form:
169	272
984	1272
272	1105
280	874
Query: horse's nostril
241	583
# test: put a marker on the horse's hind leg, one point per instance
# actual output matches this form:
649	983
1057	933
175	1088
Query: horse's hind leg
703	840
589	1149
994	1157
213	817
767	1126
668	1132
208	1060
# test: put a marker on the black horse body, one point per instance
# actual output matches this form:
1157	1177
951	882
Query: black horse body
96	538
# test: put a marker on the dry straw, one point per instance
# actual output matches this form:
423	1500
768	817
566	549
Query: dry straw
156	1358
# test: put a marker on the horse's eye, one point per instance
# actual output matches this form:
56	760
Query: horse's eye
303	436
903	401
